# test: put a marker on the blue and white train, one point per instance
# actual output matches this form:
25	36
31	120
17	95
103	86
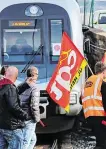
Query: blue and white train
37	25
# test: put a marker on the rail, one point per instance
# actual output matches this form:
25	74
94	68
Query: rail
54	146
49	145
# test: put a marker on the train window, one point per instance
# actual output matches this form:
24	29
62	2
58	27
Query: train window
56	27
19	45
102	18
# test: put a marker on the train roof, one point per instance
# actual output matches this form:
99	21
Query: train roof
100	11
68	5
71	6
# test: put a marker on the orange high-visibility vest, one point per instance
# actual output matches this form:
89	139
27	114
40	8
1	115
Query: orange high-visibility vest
92	98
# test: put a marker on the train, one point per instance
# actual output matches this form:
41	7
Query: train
39	25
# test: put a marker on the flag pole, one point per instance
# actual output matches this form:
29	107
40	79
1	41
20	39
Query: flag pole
89	67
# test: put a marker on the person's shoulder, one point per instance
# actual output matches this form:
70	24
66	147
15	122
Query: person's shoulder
23	86
4	88
8	88
34	87
35	91
11	86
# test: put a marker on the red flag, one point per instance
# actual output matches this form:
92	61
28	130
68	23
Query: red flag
67	72
104	58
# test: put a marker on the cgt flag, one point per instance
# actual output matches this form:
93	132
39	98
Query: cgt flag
68	71
104	58
104	61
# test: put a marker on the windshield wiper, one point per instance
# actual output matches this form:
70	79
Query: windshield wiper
32	58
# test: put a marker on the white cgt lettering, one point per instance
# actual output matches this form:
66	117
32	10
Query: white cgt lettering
57	92
60	79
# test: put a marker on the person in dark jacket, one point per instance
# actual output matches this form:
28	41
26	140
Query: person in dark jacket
3	143
11	115
29	99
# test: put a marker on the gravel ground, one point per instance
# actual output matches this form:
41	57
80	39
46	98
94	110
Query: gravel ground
71	140
77	141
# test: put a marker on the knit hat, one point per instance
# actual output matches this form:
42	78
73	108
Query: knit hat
99	67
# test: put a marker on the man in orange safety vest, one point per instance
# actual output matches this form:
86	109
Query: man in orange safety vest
94	104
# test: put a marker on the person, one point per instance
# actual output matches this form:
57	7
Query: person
93	98
21	47
11	115
3	143
3	69
29	99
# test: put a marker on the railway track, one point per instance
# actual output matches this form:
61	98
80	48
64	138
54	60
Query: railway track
71	141
49	146
82	138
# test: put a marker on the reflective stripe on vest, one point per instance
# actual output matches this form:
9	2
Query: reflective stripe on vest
94	108
90	97
94	111
93	104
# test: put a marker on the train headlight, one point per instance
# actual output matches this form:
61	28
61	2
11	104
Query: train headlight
73	98
33	10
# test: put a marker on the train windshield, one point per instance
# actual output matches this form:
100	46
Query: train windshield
21	45
102	18
21	39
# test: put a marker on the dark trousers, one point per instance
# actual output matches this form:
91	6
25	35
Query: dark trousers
98	129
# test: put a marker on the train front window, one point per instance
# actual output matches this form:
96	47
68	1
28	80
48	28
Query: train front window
19	45
56	27
102	18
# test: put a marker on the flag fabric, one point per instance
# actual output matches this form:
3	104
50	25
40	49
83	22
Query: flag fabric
68	71
104	61
104	58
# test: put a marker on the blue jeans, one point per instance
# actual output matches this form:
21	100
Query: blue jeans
14	138
3	142
29	135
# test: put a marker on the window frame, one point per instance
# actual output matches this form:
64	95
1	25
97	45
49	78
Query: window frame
50	49
8	27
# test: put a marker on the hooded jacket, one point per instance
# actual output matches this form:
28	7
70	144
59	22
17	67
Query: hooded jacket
11	115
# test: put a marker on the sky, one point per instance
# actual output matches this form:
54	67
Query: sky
100	0
99	4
